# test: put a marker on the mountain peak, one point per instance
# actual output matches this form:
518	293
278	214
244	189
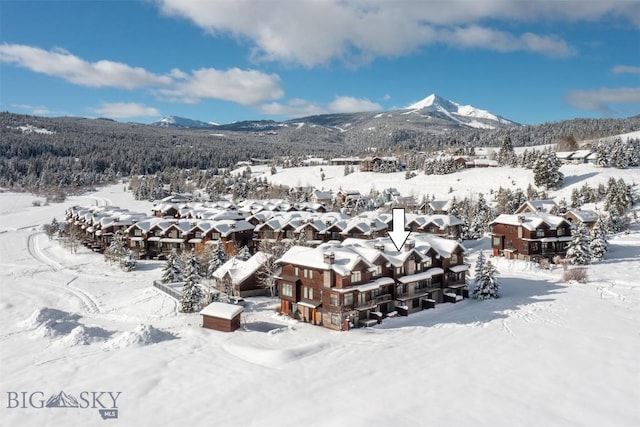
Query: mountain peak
181	122
437	104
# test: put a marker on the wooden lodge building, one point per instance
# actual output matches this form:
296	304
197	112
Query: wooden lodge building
530	236
359	282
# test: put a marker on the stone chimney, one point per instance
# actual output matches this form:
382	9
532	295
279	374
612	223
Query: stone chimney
409	245
329	257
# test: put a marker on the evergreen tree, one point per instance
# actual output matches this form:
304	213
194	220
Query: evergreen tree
129	261
506	154
192	294
173	270
546	171
598	244
243	254
486	281
217	257
52	228
578	251
116	249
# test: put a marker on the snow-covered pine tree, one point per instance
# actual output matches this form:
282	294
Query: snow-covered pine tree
129	261
173	270
546	171
192	295
481	219
506	154
243	254
116	249
486	281
599	244
578	251
216	257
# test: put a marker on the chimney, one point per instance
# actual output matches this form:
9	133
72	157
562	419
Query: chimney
329	257
409	245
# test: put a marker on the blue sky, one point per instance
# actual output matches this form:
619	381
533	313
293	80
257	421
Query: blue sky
222	61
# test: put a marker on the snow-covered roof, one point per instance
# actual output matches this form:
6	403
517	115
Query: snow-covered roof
222	310
240	270
530	220
584	215
543	205
421	276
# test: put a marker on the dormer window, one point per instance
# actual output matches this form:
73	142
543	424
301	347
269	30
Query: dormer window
378	271
454	258
540	232
356	276
560	231
428	262
137	232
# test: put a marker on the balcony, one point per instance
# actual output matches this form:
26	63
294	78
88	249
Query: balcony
382	298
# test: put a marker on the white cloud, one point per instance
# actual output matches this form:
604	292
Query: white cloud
626	69
312	32
236	85
348	104
300	107
245	87
603	99
124	110
62	64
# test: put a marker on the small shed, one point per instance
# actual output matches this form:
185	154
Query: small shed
221	316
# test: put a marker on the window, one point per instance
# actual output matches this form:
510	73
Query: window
356	276
308	274
497	241
296	271
509	244
137	232
525	246
333	299
534	246
215	236
560	231
428	262
415	303
308	292
287	289
362	298
173	234
198	234
399	271
454	258
378	271
540	232
348	299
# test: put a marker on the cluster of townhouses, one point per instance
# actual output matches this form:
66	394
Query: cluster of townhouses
344	271
359	282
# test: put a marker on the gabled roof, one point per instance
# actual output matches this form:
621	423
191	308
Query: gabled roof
345	258
531	220
544	205
583	215
239	270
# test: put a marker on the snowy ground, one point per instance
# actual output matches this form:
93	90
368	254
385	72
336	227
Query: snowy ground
546	353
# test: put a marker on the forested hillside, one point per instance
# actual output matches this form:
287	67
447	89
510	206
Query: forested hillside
77	152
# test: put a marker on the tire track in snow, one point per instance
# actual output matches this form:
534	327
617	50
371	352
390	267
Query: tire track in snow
89	301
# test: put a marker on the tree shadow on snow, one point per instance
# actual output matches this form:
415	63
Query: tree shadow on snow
574	179
516	293
619	253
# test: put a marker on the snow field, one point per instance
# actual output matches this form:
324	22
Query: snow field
545	353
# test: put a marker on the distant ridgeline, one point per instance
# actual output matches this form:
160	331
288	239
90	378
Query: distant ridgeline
40	153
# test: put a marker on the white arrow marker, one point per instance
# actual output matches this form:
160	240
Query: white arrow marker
399	235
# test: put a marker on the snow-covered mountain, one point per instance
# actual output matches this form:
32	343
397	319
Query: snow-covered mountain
466	115
182	122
